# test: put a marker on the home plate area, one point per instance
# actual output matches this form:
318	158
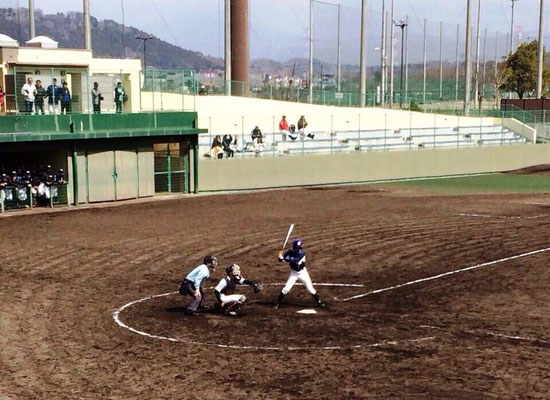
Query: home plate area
296	325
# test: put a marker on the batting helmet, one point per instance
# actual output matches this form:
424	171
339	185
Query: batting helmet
297	244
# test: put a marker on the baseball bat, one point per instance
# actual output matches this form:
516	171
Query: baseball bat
288	235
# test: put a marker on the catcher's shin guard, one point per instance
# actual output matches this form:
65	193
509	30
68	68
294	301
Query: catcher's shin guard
236	305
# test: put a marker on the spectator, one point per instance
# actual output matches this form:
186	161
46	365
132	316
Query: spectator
65	99
97	97
28	91
39	98
226	143
2	95
256	133
257	142
283	128
60	177
119	97
292	132
302	125
54	97
216	150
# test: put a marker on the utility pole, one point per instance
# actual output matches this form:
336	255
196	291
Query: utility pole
392	59
512	29
456	72
123	30
145	39
540	65
484	62
402	25
87	26
383	56
496	55
227	48
363	52
478	38
338	63
441	60
32	31
407	58
468	56
310	51
424	68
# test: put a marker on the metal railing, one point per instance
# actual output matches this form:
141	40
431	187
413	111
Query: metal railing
349	134
18	197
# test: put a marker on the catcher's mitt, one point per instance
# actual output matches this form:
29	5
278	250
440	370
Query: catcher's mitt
258	287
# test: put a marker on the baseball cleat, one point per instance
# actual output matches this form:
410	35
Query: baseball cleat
276	306
321	304
192	313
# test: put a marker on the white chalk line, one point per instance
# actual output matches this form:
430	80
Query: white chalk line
116	317
502	216
457	271
529	339
536	203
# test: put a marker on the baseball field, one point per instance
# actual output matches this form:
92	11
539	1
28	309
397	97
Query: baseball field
435	289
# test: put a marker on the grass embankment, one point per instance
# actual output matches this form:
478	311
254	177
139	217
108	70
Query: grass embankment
494	183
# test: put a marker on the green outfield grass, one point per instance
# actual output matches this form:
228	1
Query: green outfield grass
494	183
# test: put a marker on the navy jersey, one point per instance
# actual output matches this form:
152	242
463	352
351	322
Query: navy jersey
296	259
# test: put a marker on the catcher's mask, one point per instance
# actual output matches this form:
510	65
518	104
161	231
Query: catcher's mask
211	260
233	271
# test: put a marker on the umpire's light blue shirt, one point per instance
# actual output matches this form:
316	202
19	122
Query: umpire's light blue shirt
198	275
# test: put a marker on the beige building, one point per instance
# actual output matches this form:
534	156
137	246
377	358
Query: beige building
42	60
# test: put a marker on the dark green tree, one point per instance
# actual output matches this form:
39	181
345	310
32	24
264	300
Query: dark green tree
520	71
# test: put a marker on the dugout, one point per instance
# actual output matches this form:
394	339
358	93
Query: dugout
111	157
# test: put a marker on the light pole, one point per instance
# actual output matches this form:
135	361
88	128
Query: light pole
363	54
468	61
402	25
512	29
145	39
540	64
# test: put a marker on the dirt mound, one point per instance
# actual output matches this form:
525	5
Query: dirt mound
542	169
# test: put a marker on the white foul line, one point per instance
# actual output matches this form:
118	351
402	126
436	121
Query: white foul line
501	216
431	278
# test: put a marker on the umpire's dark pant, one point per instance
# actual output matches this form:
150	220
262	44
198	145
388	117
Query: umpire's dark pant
187	288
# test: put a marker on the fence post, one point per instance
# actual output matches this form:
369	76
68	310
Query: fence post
242	136
331	131
523	124
359	133
435	123
410	129
502	128
458	132
209	132
481	128
385	131
273	143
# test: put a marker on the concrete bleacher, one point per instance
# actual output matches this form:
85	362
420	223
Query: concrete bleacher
375	140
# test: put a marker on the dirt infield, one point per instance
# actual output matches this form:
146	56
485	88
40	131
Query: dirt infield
473	335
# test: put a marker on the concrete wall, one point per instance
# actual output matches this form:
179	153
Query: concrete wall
239	174
221	114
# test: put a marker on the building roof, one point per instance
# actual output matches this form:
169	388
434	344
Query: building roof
42	41
6	41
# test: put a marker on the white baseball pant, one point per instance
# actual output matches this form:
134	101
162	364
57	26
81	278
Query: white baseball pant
301	276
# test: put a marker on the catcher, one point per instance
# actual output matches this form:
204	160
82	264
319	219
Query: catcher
227	302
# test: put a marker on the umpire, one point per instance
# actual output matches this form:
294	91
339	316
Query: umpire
191	284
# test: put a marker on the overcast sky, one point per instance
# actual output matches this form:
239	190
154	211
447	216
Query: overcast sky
279	28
